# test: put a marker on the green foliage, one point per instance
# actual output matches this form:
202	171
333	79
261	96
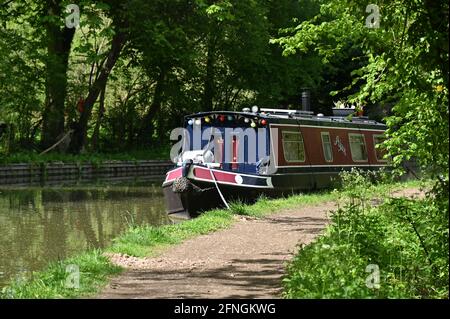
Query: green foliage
21	91
407	68
177	57
156	153
183	56
406	239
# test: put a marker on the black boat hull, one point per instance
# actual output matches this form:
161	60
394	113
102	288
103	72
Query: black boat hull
204	195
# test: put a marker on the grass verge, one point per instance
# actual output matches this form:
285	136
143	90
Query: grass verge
156	153
61	280
141	241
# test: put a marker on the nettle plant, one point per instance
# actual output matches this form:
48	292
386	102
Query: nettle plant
358	186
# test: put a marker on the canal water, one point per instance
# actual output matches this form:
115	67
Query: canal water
43	224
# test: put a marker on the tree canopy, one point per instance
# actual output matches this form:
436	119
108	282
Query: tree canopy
405	67
122	78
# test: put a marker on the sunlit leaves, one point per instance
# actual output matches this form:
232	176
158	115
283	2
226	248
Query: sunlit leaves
221	11
403	68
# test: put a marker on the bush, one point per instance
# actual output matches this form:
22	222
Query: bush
406	240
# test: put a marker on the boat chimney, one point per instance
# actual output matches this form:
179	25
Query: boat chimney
306	100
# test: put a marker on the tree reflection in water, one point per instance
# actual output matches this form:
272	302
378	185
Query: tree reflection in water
39	225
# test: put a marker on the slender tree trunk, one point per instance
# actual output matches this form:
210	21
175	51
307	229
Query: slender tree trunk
208	92
101	112
130	127
79	138
146	131
59	42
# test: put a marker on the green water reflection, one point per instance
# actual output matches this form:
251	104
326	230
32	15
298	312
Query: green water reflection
39	225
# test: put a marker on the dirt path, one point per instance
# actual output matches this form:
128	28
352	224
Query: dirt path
245	261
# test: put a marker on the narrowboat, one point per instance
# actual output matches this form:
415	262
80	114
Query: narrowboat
228	156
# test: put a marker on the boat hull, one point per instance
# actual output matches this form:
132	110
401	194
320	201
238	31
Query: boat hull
204	193
204	189
205	196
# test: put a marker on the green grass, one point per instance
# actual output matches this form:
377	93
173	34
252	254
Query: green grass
265	206
157	153
144	241
141	241
94	272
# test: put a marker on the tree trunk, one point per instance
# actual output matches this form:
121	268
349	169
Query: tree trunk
79	138
208	93
59	42
101	112
146	131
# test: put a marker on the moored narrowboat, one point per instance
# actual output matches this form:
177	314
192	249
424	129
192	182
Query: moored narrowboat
228	156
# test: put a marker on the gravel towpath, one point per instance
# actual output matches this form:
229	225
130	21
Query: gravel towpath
246	260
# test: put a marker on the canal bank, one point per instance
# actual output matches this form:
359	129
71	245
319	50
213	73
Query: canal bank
57	172
138	243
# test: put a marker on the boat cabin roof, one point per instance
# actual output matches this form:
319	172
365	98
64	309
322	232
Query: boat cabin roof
290	117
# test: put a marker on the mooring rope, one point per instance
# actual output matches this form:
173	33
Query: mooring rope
212	174
217	187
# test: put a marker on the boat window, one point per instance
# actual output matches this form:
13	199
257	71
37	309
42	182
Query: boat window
327	147
358	147
379	152
293	147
